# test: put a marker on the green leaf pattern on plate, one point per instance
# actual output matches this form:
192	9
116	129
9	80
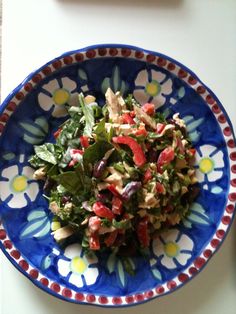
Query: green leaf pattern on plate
115	82
197	216
38	225
122	267
35	132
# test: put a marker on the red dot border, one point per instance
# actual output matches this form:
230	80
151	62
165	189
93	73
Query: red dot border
192	81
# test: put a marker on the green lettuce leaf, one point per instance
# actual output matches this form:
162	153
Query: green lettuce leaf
47	152
88	116
101	132
96	152
75	182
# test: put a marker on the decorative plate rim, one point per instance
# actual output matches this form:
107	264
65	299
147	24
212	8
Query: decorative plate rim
126	51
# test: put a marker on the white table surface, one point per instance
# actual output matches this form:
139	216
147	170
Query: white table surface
199	33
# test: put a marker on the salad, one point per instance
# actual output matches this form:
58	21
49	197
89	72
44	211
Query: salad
116	176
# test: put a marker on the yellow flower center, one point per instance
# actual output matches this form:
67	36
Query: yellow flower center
78	265
19	184
206	165
171	249
61	96
153	88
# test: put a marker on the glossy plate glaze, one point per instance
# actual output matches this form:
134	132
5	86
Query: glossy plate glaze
34	110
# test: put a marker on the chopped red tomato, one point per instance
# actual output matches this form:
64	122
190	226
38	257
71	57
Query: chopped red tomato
141	131
191	151
149	108
126	118
57	133
147	176
160	128
94	223
110	238
139	156
116	205
94	243
132	114
84	141
72	163
75	158
74	151
160	188
165	157
102	211
142	232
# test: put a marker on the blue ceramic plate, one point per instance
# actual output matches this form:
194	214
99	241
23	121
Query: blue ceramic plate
34	110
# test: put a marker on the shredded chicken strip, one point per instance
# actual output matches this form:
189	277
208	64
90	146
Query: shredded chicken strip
145	117
113	105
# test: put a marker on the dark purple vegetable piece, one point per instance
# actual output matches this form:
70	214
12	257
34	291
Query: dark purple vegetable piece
130	189
178	127
99	168
152	155
104	196
49	185
65	199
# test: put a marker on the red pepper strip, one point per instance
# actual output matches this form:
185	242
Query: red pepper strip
84	141
102	211
139	156
113	190
110	239
149	108
147	176
116	205
160	128
94	243
126	118
142	232
160	188
57	133
165	157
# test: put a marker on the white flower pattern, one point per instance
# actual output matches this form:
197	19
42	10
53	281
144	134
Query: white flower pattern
152	86
209	163
81	269
17	186
56	94
173	248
